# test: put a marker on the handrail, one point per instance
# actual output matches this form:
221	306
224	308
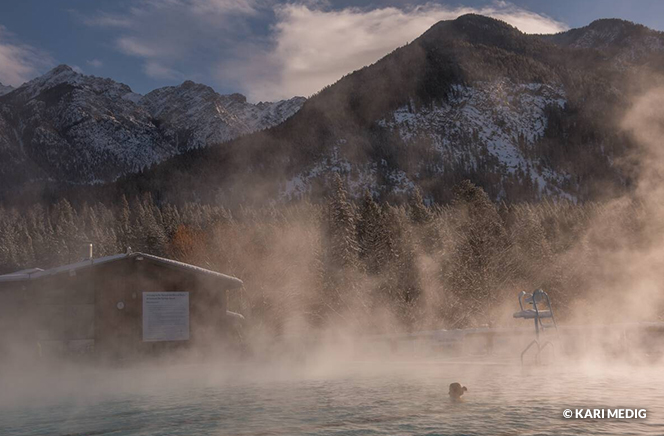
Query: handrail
537	297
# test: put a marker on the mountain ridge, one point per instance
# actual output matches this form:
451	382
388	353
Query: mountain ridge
67	127
523	116
624	41
564	145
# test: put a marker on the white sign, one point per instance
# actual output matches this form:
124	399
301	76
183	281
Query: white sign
165	316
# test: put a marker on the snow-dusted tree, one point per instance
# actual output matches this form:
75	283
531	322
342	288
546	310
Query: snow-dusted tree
479	264
419	212
340	228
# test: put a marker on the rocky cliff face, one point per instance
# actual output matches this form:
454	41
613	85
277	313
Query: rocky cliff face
193	115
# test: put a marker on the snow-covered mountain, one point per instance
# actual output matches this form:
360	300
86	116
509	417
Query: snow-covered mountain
494	121
524	116
194	115
66	127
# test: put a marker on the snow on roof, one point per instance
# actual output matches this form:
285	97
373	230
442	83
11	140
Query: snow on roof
37	273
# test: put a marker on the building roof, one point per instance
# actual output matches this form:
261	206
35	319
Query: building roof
37	273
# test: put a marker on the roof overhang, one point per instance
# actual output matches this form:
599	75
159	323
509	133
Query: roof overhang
228	282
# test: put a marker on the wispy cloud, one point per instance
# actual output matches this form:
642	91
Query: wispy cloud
19	62
313	47
524	20
95	63
269	50
171	36
136	47
103	19
157	71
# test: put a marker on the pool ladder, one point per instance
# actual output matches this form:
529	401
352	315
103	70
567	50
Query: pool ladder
541	310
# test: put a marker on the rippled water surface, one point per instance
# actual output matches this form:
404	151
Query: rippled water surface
370	398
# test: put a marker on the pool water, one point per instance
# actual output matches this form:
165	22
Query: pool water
359	398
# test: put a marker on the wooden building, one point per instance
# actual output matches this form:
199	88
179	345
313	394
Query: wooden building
117	306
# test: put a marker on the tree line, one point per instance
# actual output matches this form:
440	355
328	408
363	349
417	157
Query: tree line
376	265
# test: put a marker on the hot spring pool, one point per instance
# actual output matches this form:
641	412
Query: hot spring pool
370	398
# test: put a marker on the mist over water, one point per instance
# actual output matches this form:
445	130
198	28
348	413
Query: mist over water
345	373
362	397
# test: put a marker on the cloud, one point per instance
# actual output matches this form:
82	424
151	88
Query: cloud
107	20
245	7
175	35
158	71
96	63
19	62
312	48
271	50
135	47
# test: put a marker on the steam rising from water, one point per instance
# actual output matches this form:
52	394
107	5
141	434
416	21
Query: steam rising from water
359	364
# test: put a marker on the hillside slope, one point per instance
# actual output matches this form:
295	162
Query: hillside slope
472	98
68	128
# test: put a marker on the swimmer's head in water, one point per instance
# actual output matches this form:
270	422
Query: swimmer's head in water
456	390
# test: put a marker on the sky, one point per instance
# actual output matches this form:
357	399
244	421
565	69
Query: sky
264	49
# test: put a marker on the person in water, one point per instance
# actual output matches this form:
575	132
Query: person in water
456	391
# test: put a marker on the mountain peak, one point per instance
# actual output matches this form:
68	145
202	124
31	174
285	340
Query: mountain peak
482	20
612	23
624	40
68	127
65	78
61	72
189	84
616	29
471	24
188	87
237	97
62	68
477	30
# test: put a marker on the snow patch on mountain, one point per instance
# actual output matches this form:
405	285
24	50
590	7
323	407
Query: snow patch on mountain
81	129
64	75
194	115
358	178
499	118
498	121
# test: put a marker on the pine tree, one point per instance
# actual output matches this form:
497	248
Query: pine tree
419	213
371	235
480	261
404	258
8	245
124	230
340	250
152	236
340	231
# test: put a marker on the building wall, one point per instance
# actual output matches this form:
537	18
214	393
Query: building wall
16	333
119	332
78	313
